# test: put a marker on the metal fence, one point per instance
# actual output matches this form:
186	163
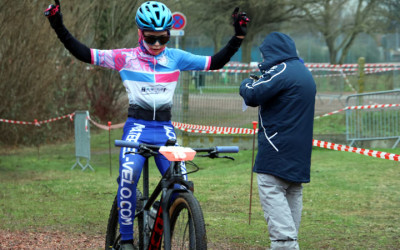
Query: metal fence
212	98
373	123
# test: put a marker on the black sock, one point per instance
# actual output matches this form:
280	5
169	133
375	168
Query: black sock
126	242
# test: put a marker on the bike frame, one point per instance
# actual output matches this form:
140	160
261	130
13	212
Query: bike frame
165	187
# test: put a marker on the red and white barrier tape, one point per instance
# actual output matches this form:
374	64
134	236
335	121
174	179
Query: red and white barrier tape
105	127
367	65
321	65
370	70
235	70
347	81
230	130
36	122
359	107
191	128
349	74
367	152
348	71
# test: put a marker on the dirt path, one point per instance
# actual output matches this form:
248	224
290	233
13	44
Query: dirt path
49	240
66	241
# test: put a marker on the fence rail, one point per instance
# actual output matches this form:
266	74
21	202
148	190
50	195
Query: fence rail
373	124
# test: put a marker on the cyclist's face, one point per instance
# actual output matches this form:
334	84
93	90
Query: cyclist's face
155	48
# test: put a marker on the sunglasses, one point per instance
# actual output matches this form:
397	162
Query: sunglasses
153	39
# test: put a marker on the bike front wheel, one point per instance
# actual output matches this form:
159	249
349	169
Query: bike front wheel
188	230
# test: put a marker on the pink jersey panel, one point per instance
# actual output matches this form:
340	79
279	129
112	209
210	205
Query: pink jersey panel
167	77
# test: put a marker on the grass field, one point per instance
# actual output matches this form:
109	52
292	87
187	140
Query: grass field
352	201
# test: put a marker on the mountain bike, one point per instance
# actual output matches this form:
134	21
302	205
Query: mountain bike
176	220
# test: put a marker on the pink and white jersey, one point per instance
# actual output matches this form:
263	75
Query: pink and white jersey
150	81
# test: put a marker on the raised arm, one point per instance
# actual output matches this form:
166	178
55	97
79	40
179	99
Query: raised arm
77	49
222	57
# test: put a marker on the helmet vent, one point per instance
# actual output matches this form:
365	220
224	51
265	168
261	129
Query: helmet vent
144	21
153	22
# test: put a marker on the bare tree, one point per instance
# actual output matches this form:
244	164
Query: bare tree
40	79
213	18
32	84
340	22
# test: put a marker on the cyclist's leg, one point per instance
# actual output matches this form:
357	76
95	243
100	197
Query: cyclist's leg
162	136
130	169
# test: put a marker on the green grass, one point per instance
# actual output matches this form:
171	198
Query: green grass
335	124
351	203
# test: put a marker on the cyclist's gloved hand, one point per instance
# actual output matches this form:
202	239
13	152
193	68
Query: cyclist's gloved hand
240	21
53	13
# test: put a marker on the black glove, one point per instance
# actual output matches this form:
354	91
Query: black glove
254	77
240	21
53	13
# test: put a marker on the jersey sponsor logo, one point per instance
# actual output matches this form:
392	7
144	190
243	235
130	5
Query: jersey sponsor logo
153	90
169	132
126	206
133	135
162	60
127	178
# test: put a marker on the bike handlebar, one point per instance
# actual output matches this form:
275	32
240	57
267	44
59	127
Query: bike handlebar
129	144
217	149
227	149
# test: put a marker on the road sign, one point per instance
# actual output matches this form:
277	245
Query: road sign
177	32
179	21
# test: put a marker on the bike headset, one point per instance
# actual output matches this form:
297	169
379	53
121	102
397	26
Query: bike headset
153	16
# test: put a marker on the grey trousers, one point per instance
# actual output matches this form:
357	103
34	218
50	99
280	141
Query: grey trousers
282	203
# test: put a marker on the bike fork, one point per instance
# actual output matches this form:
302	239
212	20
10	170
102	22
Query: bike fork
167	232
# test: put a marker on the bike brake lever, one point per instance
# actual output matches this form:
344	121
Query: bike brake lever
207	155
227	157
146	152
210	155
214	155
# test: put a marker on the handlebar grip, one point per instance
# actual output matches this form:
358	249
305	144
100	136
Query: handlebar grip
129	144
227	149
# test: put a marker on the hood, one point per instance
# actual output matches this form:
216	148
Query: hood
275	49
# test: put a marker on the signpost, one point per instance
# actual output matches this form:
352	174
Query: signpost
178	26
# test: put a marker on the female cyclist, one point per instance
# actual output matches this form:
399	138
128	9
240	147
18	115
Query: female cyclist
149	73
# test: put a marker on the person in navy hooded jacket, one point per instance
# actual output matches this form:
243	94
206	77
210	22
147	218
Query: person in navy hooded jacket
285	96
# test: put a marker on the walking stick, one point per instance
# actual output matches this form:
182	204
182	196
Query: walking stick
252	164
